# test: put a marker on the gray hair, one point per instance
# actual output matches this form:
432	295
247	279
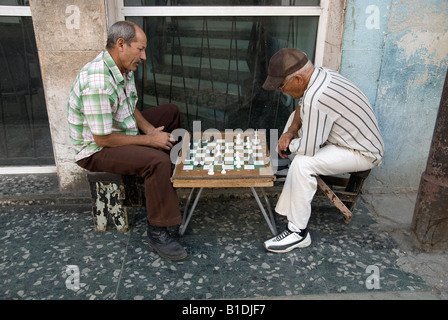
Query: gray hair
120	29
304	70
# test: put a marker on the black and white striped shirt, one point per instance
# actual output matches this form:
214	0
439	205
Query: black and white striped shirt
335	111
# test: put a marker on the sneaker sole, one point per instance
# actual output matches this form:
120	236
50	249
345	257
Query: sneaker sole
302	244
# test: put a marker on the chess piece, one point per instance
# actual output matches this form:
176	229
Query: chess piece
251	159
218	150
238	160
238	138
256	140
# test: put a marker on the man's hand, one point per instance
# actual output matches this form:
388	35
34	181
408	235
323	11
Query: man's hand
160	139
154	137
284	141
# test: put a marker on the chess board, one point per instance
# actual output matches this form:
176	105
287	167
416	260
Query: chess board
223	158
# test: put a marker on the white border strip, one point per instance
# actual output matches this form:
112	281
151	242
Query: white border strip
27	170
232	11
321	33
15	11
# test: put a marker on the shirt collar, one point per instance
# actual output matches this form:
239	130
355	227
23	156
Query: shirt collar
110	63
313	76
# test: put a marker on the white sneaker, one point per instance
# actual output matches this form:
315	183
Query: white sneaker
288	240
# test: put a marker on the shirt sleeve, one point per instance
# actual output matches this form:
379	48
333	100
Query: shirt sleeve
316	127
97	110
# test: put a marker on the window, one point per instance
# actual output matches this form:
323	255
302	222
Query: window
210	57
24	129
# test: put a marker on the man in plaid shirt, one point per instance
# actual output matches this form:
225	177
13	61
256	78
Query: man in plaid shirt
111	135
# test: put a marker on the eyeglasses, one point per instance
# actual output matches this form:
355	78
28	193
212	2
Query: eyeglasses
283	86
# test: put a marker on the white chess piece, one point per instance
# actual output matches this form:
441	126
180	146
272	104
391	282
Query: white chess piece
256	140
223	171
210	170
238	138
238	160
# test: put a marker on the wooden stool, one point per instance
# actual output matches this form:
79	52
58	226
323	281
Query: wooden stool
111	193
345	199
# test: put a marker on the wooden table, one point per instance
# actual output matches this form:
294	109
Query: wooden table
192	168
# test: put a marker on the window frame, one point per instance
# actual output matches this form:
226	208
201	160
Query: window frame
15	11
116	11
22	11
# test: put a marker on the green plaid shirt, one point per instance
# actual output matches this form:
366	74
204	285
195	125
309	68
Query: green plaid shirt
101	101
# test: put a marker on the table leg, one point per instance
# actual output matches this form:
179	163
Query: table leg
185	218
270	221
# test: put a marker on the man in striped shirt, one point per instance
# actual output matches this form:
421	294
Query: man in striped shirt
334	131
110	134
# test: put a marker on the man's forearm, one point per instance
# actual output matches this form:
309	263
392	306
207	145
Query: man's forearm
119	139
296	122
155	138
142	123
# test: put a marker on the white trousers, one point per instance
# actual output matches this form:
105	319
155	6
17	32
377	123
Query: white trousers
301	184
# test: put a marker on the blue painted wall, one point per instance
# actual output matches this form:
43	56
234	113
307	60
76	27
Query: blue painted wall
397	52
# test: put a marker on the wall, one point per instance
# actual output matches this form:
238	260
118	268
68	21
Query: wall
67	36
397	52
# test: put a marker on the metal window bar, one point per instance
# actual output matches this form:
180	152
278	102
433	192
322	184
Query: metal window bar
210	67
28	106
151	54
232	38
258	31
185	97
5	140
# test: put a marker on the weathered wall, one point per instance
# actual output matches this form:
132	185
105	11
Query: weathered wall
397	52
68	36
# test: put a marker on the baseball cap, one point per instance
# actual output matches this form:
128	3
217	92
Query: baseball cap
285	62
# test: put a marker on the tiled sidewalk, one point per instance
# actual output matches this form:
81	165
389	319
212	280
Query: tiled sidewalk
43	246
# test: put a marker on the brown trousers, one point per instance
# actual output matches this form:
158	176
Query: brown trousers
153	165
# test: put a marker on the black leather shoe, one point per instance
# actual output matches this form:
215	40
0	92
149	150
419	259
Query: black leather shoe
160	240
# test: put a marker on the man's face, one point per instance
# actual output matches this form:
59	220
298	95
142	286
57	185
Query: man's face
294	86
134	54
